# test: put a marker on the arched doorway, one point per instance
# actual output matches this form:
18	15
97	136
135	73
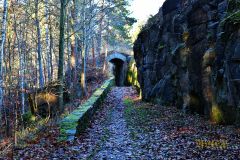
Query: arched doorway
119	66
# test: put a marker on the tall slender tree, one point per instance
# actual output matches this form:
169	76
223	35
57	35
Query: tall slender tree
34	52
61	53
4	26
48	45
100	30
84	49
39	46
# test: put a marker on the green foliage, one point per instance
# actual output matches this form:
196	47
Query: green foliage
161	46
136	30
233	18
151	20
128	102
32	128
233	13
28	118
120	22
233	5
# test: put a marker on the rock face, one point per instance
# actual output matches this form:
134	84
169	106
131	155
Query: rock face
188	55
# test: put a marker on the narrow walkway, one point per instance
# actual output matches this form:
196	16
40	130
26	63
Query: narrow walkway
108	137
128	129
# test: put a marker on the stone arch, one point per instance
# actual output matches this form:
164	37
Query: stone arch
116	55
119	68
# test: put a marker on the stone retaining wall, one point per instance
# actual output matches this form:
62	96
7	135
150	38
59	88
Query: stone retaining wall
77	121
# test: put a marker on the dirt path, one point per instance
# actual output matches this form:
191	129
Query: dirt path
126	128
108	137
118	144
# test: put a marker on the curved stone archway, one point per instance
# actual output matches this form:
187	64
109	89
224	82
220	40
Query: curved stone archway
119	67
116	55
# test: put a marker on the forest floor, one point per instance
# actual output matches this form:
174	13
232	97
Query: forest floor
42	127
126	128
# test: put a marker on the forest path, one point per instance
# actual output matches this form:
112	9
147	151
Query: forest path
108	137
126	128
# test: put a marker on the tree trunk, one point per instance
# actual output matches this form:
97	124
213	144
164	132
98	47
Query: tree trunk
61	54
3	37
99	36
76	47
84	50
83	72
21	63
50	50
39	47
68	52
49	75
106	52
93	54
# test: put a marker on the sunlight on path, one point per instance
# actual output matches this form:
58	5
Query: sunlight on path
125	129
108	137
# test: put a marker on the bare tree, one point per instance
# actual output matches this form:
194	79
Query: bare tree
61	53
39	46
4	26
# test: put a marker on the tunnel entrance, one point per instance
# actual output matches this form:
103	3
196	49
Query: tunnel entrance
119	67
118	71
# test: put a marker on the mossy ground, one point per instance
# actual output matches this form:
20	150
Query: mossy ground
139	116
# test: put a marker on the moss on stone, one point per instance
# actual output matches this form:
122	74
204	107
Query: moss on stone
98	92
161	46
216	114
185	36
68	125
79	118
132	75
78	112
72	117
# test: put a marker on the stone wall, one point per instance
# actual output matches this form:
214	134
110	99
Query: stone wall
76	122
188	55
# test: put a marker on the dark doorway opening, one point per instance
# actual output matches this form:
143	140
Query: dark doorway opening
119	71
